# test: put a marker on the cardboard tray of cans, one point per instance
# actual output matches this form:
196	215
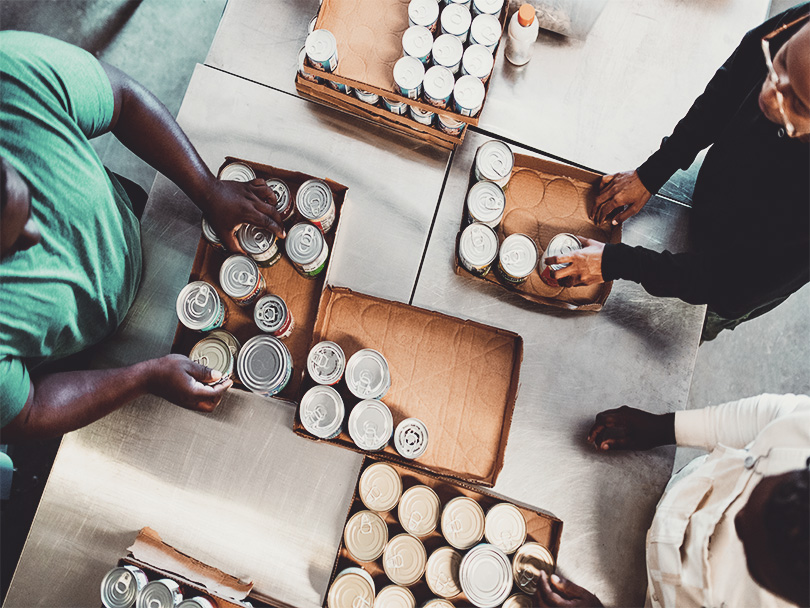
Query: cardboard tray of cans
301	294
541	527
459	377
544	199
369	42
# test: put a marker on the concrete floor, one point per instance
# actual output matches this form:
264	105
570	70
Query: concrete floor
158	42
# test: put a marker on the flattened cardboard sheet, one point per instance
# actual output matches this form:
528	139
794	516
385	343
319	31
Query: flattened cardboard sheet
300	294
543	199
459	377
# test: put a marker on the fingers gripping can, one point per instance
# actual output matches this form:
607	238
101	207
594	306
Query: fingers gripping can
493	162
527	563
517	258
326	363
321	49
120	586
307	249
264	365
562	244
284	202
315	203
240	279
215	354
237	172
272	316
478	248
259	244
199	307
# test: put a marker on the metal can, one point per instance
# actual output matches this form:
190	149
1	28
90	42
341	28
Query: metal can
505	527
517	258
562	244
493	162
302	57
368	375
411	438
365	536
417	41
229	339
456	20
468	95
120	586
264	365
367	97
284	202
315	203
478	248
322	412
463	522
237	172
261	245
197	602
486	31
213	353
441	572
211	236
418	510
312	22
438	603
518	600
340	87
424	117
162	593
527	563
449	125
477	61
395	596
395	106
486	202
424	13
485	576
272	316
321	49
487	7
464	3
404	559
326	363
352	587
439	84
371	425
307	249
409	73
240	279
447	52
199	307
380	487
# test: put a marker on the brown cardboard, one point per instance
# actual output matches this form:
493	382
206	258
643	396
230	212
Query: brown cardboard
300	294
459	377
541	527
543	199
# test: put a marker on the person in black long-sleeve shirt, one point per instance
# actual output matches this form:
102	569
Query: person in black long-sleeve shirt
751	203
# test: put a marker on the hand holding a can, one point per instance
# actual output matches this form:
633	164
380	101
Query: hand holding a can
188	384
555	590
628	428
621	195
584	266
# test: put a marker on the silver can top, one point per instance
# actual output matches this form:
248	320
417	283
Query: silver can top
469	92
238	276
304	243
439	82
518	255
326	362
263	363
282	192
196	602
254	240
418	510
478	61
367	374
562	244
486	202
447	51
486	30
237	172
351	589
411	438
489	7
270	313
494	160
213	353
441	573
365	536
394	596
518	600
162	593
417	41
486	576
120	586
478	245
404	559
456	19
527	563
314	199
371	425
208	232
228	338
409	72
321	45
198	305
423	12
463	522
505	527
380	487
322	411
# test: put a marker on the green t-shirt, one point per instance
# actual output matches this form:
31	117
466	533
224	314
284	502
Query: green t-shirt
75	287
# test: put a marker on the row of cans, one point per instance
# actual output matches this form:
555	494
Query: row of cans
451	17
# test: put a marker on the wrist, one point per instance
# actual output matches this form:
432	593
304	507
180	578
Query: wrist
204	192
665	429
146	374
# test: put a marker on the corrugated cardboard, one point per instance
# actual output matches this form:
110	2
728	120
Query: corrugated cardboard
543	199
459	377
301	294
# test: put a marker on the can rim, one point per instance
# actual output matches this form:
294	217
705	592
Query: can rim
335	424
182	297
359	436
512	239
294	234
261	304
327	42
284	360
227	282
381	388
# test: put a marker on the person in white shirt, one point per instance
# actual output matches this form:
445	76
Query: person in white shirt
733	526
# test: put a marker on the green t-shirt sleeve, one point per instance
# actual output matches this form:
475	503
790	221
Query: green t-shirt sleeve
15	384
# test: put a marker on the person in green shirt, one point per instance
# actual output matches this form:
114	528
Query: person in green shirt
70	251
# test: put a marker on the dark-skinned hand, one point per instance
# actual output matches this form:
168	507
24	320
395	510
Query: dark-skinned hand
585	268
557	591
186	383
628	428
616	192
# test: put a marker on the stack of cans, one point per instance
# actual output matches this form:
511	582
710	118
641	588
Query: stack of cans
129	587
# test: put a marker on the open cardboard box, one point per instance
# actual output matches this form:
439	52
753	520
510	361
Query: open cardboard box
541	527
543	199
300	294
459	377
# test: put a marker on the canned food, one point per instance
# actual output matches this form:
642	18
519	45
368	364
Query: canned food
322	412
237	172
527	563
259	244
518	600
464	3
447	52
321	49
352	588
439	84
371	425
517	258
438	603
477	61
456	20
394	596
441	572
468	95
284	202
493	162
411	438
367	97
273	316
380	487
162	593
487	7
340	87
307	249
228	338
477	248
505	527
449	125
485	576
424	117
409	73
215	354
486	202
418	510
417	42
199	307
486	31
463	522
264	365
365	536
302	57
404	559
197	602
315	203
326	363
562	244
368	375
395	106
311	26
120	586
240	279
424	13
211	236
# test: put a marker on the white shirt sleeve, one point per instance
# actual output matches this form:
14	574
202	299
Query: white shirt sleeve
734	424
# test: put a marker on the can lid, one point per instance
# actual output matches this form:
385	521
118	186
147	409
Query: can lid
314	199
442	572
518	600
478	244
161	593
450	122
365	536
228	338
196	602
456	19
282	192
237	172
438	603
419	510
494	160
208	232
404	559
351	589
505	527
485	576
527	563
120	586
326	362
562	244
409	72
321	45
417	41
304	243
411	438
486	30
263	363
394	596
213	353
486	201
423	12
322	411
270	313
463	522
518	255
477	59
238	276
371	425
198	304
367	374
254	240
447	50
439	82
490	7
380	487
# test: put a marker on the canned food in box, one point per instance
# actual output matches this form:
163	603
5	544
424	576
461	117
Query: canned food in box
315	203
365	536
307	249
215	354
395	596
240	279
340	87
518	600
468	95
120	586
478	248
485	576
455	20
517	258
411	438
367	97
197	602
527	563
441	572
264	365
380	487
371	425
199	307
487	7
321	49
368	375
162	593
211	236
326	363
352	587
448	52
417	42
404	559
439	84
261	245
562	244
311	26
424	13
284	202
463	522
477	61
424	117
493	162
228	338
449	125
395	106
438	603
302	57
272	316
464	3
409	74
486	31
505	527
418	510
486	202
237	172
322	412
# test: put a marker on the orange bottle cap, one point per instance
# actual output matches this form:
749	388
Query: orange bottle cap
526	15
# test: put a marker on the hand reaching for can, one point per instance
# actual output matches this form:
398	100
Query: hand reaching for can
188	384
628	428
621	195
584	265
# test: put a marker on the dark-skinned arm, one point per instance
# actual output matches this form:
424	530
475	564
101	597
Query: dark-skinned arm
628	428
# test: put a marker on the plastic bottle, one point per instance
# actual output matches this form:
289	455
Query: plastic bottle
523	29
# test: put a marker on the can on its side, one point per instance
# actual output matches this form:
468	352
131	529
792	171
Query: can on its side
468	95
210	236
455	20
307	249
517	258
449	125
302	57
367	374
424	13
237	172
424	117
448	52
493	162
486	31
409	74
284	201
321	50
272	316
439	83
417	41
395	106
478	248
477	61
326	363
161	593
199	307
487	7
315	203
486	202
367	97
120	586
264	365
214	353
241	280
261	245
562	244
322	412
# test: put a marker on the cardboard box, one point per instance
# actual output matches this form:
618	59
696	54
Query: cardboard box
459	377
543	199
300	294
